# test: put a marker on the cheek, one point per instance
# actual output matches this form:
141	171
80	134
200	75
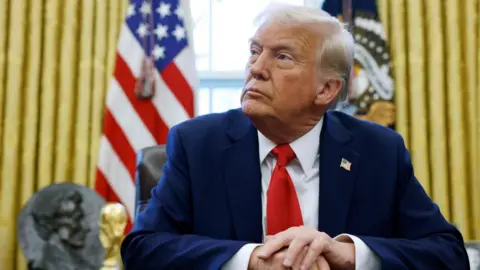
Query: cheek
300	99
285	83
293	88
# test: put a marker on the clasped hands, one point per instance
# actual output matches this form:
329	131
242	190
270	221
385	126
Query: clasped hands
303	248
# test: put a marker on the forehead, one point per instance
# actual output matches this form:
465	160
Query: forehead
299	36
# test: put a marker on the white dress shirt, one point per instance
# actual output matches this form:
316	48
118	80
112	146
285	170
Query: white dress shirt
304	171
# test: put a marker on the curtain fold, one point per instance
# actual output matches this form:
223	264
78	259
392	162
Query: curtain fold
56	60
12	128
3	73
436	63
29	98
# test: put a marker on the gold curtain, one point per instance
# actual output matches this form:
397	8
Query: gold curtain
436	63
56	60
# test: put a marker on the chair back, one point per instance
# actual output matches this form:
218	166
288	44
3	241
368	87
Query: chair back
150	163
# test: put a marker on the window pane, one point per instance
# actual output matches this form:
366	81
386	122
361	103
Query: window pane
200	10
224	99
217	100
232	26
202	62
203	101
198	7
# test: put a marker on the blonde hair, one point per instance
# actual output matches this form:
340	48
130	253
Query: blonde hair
335	55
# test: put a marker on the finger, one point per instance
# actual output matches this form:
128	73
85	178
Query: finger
261	264
295	247
300	257
322	263
314	250
268	237
274	245
277	260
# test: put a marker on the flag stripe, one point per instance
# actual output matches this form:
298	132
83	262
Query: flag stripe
130	51
144	108
119	143
184	63
174	80
128	119
103	187
110	196
167	104
117	176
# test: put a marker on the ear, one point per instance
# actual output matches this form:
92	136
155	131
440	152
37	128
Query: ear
328	91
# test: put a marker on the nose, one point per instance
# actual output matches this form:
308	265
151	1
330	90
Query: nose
259	69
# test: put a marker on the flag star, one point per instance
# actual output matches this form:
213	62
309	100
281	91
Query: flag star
179	32
130	10
179	12
158	52
163	10
145	9
142	30
161	31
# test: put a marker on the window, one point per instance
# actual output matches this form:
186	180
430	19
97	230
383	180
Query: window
221	29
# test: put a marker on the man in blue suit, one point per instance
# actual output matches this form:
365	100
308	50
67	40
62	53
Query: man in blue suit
284	183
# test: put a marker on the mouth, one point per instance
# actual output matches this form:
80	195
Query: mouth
254	92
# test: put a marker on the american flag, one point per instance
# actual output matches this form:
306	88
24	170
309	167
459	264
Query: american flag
157	30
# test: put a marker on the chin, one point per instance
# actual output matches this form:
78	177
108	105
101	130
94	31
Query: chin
254	108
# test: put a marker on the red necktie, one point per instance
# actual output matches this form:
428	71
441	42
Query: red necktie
283	209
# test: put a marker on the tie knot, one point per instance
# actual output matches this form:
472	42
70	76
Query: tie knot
284	154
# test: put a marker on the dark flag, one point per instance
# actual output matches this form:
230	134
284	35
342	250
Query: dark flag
371	93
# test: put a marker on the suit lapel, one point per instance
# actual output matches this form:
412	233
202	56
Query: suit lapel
336	183
241	170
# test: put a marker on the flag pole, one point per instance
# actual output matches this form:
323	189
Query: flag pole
347	15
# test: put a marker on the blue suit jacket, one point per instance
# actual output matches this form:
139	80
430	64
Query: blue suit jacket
208	203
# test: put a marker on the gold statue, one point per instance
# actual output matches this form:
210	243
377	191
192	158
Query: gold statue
381	112
113	220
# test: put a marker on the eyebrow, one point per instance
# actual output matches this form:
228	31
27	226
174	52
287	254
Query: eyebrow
254	42
278	47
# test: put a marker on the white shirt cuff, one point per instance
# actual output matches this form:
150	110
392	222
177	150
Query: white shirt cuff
240	260
365	258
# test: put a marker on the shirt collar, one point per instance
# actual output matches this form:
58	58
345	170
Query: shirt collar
305	147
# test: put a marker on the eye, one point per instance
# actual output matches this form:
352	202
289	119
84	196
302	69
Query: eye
253	52
284	57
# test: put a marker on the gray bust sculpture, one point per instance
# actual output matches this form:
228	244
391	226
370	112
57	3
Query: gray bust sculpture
58	229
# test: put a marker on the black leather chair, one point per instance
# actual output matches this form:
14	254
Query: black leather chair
149	170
